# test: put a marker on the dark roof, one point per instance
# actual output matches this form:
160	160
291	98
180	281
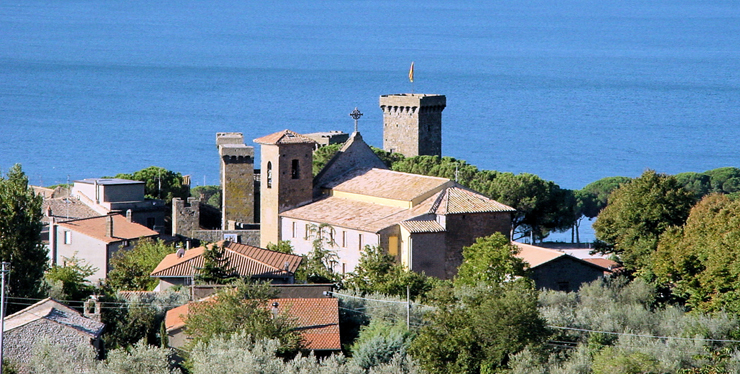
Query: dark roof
56	312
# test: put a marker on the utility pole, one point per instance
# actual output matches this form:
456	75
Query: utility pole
408	308
5	270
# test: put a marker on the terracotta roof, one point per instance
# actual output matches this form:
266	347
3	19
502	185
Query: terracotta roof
317	320
54	311
67	208
284	137
536	256
122	229
422	226
460	200
246	260
387	184
604	263
351	214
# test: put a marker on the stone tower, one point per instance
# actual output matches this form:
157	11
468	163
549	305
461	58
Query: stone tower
412	123
286	179
237	180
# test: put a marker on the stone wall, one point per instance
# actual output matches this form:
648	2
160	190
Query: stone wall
20	342
463	229
185	216
412	123
249	237
237	178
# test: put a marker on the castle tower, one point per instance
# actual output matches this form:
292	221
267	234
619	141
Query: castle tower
286	179
412	123
237	180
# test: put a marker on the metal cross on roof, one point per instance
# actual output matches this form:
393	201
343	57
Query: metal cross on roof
356	114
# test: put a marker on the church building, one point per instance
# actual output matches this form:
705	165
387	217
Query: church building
356	201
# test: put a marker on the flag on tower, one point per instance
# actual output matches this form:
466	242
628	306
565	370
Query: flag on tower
411	73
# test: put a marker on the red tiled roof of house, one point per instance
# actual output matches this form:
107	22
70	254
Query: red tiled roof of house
284	137
317	320
389	184
604	263
455	200
536	256
246	260
95	227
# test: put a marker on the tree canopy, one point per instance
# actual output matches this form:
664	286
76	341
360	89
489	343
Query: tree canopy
700	262
216	266
490	260
160	183
131	269
20	235
639	211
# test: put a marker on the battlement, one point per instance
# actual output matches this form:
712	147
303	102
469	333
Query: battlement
224	138
439	102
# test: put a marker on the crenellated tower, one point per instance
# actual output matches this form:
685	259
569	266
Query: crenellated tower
412	123
237	180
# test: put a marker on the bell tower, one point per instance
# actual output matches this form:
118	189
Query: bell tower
237	180
286	179
412	123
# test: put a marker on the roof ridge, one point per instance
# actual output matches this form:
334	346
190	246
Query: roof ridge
254	259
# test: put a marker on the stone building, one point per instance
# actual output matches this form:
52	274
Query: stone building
237	180
423	221
50	320
555	270
412	123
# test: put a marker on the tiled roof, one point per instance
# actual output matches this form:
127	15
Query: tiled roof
387	184
122	229
284	137
56	312
535	255
64	208
460	200
317	320
347	213
414	226
246	260
604	263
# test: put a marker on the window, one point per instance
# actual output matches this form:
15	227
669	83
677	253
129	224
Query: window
68	237
308	230
125	243
295	229
344	239
295	172
269	174
344	267
359	241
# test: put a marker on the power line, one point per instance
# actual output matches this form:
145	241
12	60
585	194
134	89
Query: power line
643	335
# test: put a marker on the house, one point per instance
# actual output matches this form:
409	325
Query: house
51	320
423	221
95	240
248	261
317	320
115	195
555	270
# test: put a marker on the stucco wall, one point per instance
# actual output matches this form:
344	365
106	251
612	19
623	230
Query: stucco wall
93	251
347	242
428	253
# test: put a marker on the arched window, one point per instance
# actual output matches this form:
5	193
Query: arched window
269	174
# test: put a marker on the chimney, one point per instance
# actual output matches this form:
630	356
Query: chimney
275	310
109	226
128	215
92	308
48	211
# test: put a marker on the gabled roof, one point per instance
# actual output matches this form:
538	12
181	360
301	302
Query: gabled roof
536	256
248	261
347	213
68	207
457	199
355	154
317	320
284	137
95	227
388	184
56	312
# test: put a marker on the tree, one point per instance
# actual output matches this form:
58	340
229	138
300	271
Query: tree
318	265
476	330
160	183
322	156
132	269
638	213
211	195
20	235
216	266
283	246
595	195
242	308
377	272
491	261
700	262
72	279
444	167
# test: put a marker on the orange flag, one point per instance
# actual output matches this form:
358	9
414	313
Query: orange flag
411	72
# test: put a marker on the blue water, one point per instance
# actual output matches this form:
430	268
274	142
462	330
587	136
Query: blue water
570	90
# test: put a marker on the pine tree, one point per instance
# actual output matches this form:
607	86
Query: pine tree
216	266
